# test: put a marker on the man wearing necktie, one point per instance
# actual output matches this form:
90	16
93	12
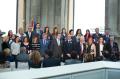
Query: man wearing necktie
80	48
29	34
96	35
107	37
44	44
56	46
68	48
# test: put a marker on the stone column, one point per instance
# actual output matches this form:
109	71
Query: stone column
106	15
112	16
51	13
21	18
44	13
64	13
57	15
118	27
71	14
28	12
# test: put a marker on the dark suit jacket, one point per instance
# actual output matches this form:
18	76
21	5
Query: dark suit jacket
96	37
49	62
30	38
78	48
114	48
69	47
107	39
105	48
74	40
63	38
39	33
44	47
57	50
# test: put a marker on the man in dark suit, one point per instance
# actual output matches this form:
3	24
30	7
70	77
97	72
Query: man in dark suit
29	34
44	44
81	48
68	47
56	46
38	31
114	50
107	37
49	60
96	35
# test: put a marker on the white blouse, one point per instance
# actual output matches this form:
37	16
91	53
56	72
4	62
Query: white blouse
101	49
15	48
58	42
93	47
82	47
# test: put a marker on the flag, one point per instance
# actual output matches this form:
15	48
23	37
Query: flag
35	23
38	19
32	22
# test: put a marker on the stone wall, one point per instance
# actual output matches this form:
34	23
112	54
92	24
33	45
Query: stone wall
48	12
113	18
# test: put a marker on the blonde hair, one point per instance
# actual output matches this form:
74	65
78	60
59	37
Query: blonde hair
35	57
21	30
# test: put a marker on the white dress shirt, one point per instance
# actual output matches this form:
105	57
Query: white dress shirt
101	49
58	42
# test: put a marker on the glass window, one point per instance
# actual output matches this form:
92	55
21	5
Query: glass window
89	14
8	15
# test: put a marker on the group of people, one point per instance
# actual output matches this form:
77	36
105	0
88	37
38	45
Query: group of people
40	48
